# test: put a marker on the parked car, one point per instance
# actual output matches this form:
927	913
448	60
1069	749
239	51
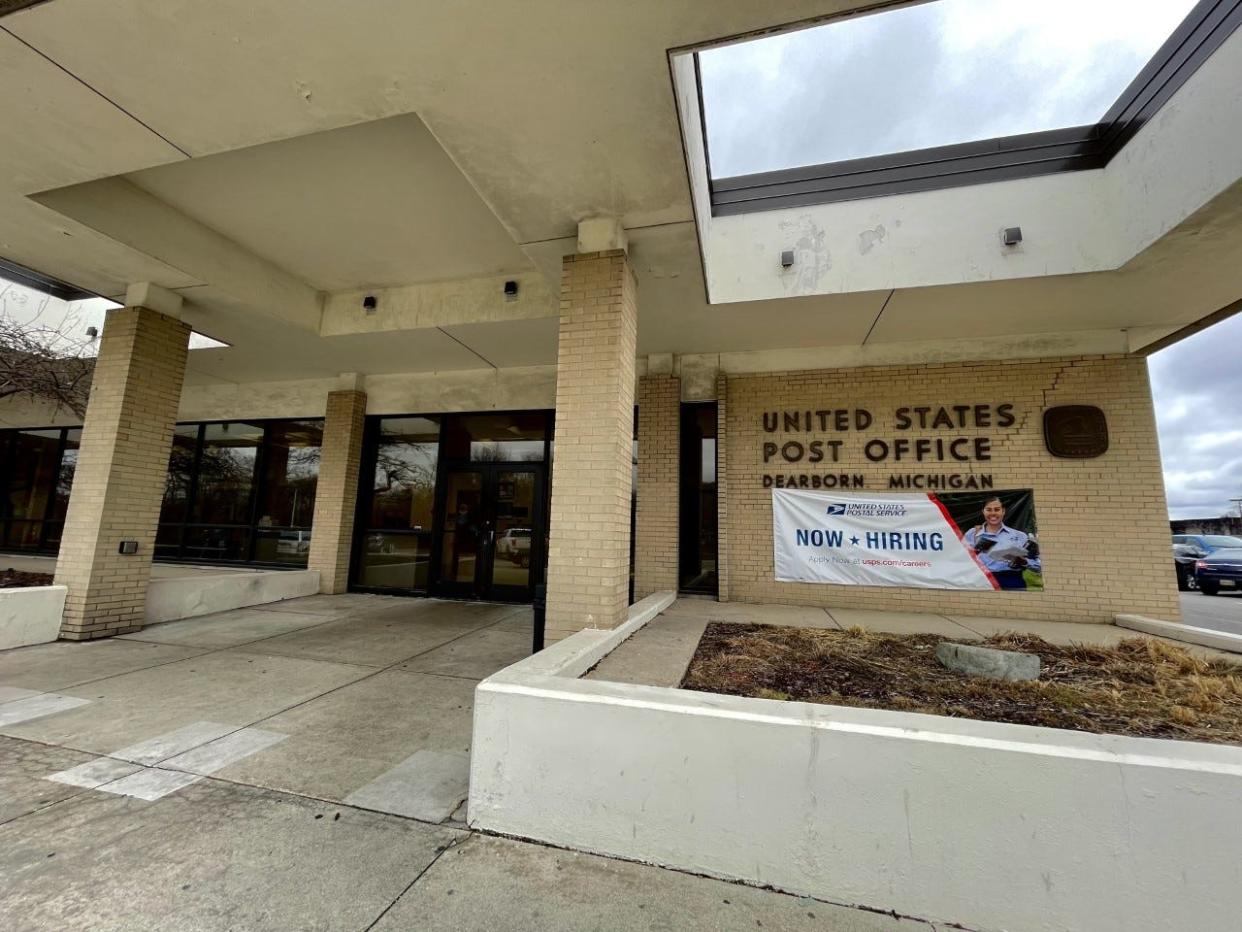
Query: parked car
1184	558
1221	569
1208	542
1188	549
514	545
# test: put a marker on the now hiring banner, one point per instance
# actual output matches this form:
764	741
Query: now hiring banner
971	540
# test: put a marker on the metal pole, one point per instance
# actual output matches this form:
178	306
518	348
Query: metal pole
540	606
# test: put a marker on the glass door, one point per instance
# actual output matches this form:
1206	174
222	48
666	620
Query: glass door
490	539
512	545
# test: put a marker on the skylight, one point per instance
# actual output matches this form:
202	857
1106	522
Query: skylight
949	73
59	316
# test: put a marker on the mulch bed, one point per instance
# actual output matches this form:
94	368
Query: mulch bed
15	579
1141	687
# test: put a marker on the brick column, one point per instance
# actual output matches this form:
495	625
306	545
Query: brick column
722	489
336	494
122	463
589	551
655	526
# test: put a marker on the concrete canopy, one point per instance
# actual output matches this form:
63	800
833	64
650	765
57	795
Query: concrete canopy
273	162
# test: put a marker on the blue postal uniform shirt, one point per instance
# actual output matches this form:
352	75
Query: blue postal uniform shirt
1006	538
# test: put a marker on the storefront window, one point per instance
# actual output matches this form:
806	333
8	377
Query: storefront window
698	536
287	502
226	473
34	485
235	492
241	492
496	438
64	484
290	474
395	551
404	489
179	482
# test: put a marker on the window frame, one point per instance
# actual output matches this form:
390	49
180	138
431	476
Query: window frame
45	521
1208	25
257	494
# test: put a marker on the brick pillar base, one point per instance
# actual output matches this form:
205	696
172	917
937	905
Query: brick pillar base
336	493
655	525
589	550
118	485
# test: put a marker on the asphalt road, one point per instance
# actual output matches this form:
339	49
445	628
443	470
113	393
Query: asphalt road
1219	612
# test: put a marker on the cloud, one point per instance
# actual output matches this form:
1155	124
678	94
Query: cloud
1196	385
923	76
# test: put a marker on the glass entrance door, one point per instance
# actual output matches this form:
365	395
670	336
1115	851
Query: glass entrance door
491	538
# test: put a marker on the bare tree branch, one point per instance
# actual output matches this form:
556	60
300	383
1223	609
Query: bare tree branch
40	358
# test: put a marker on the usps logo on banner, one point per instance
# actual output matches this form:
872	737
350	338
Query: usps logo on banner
884	540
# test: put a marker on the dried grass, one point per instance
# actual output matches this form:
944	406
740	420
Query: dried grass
1140	687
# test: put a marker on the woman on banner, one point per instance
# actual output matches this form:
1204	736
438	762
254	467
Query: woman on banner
1004	551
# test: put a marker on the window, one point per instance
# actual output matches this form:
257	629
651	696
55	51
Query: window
941	94
496	438
287	500
395	549
240	492
697	550
37	473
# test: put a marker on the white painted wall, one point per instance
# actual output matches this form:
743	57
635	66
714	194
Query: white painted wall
1076	222
190	596
30	615
994	826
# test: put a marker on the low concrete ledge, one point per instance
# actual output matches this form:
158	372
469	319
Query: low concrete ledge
189	596
986	824
1176	631
30	615
579	652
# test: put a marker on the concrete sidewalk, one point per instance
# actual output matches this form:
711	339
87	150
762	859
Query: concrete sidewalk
301	766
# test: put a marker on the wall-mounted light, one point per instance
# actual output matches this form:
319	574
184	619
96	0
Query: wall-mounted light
511	290
1011	236
787	258
370	303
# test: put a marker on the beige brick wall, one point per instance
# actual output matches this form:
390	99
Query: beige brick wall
655	525
336	494
118	486
1103	523
589	548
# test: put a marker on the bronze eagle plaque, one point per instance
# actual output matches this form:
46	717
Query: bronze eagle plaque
1075	431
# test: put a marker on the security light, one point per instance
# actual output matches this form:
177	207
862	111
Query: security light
511	290
1011	236
370	303
787	258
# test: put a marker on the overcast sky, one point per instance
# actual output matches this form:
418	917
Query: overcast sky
927	75
1197	384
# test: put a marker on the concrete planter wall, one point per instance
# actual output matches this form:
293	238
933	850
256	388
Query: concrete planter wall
189	596
991	825
30	615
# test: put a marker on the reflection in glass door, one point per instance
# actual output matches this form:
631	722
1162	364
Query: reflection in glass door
490	515
511	542
465	531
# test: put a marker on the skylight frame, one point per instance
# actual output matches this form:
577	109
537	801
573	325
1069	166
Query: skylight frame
1208	25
